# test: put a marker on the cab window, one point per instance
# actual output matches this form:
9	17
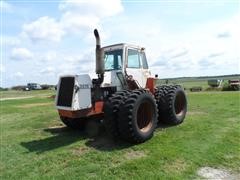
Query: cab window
113	60
133	59
144	60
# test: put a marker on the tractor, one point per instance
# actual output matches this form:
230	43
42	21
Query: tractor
123	96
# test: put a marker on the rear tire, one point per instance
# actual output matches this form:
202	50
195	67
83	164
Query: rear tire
74	123
137	117
172	104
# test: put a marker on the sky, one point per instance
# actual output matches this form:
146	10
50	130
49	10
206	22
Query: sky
42	40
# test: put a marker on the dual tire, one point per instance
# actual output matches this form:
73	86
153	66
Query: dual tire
132	115
172	104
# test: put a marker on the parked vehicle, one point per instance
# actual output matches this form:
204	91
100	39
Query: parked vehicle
33	86
215	82
124	95
234	84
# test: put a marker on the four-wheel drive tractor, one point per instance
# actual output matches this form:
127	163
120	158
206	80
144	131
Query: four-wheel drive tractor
123	96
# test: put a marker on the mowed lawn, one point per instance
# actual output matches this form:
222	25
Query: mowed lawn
10	94
35	144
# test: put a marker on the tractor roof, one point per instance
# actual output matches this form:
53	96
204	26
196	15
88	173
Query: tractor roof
122	45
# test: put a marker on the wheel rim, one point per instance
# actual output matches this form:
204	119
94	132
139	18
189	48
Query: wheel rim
179	104
144	117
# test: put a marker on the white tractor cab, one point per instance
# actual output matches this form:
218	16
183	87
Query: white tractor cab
125	60
124	95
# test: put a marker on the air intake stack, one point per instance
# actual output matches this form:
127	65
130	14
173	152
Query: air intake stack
99	57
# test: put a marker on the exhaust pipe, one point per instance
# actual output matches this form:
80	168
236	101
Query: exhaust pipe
99	56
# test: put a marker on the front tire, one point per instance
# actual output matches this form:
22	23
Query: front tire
138	116
110	109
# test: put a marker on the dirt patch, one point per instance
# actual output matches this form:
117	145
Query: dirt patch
34	105
177	165
81	150
56	129
56	126
134	154
52	96
24	97
102	143
15	98
220	174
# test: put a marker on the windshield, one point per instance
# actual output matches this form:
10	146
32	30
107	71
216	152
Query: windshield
113	59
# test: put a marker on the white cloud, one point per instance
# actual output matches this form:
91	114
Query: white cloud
49	56
79	16
48	70
188	52
214	55
10	41
21	54
225	34
18	75
103	8
179	53
44	28
77	64
77	23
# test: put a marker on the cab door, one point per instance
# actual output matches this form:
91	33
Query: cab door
145	70
134	66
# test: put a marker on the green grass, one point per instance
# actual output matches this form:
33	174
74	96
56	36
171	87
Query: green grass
34	145
190	82
14	93
187	84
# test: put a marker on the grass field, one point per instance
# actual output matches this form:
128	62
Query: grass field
20	94
190	82
35	145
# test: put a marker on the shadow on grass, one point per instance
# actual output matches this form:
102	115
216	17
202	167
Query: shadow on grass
64	136
105	143
162	125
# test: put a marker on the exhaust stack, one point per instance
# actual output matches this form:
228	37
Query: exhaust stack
99	56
